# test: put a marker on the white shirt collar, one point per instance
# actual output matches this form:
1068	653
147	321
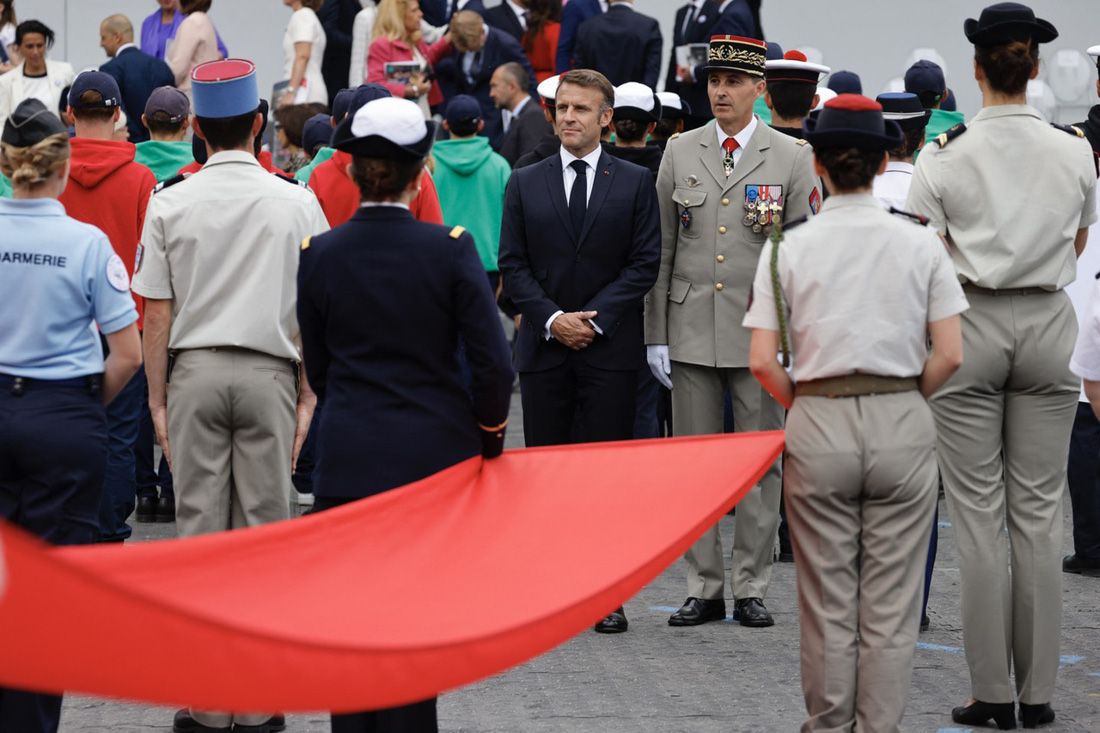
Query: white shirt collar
603	6
619	5
742	137
697	4
123	47
723	6
521	105
520	13
899	167
379	204
591	159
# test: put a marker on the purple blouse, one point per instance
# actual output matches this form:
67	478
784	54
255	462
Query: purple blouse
155	35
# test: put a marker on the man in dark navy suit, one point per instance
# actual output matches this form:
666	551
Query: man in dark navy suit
579	245
738	18
572	15
693	23
337	18
136	73
510	16
479	51
622	44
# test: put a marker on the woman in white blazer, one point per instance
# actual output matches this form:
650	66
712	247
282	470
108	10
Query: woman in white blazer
35	77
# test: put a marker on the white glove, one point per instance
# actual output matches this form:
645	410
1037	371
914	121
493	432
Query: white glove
657	356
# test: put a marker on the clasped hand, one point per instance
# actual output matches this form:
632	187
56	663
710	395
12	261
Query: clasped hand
574	329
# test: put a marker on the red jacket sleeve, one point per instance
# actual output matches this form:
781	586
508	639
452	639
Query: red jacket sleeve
382	51
425	206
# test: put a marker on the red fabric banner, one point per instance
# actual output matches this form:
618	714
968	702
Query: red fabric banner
382	602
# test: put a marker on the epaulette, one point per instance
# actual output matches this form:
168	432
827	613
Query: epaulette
289	179
457	232
946	137
169	182
800	141
305	243
915	218
1071	129
789	225
674	136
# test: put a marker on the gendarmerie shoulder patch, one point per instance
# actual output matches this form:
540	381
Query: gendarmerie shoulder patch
170	182
457	232
915	218
793	223
950	135
1071	129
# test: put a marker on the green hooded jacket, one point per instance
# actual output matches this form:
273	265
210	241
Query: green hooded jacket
470	179
164	158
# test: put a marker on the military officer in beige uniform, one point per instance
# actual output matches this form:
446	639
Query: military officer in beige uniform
720	188
1015	197
860	292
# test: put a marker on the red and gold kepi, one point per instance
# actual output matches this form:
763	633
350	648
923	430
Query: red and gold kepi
734	53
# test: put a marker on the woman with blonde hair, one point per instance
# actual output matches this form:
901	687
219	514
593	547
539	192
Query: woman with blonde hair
397	40
195	43
54	381
303	47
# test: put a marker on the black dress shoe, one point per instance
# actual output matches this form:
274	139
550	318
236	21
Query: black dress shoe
751	612
1032	716
925	622
166	510
697	611
146	509
787	556
184	723
274	724
614	623
1081	565
978	713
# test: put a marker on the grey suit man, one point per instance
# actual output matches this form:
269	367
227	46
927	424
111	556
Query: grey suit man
720	188
526	124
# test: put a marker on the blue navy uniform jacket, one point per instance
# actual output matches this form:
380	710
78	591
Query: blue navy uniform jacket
622	44
382	302
137	75
607	267
572	15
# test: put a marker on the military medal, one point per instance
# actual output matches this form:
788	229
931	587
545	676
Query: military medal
685	219
763	207
727	163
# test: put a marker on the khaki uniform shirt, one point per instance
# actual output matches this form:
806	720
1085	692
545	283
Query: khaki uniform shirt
1010	194
223	245
708	251
859	287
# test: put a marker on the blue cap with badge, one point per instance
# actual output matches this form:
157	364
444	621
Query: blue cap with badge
226	88
106	88
845	82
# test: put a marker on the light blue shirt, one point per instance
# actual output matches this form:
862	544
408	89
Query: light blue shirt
59	278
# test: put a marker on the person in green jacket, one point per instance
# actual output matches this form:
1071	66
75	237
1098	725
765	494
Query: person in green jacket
925	79
470	180
340	106
167	114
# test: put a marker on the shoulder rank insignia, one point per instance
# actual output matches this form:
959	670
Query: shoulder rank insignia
793	223
295	181
674	136
915	218
169	182
457	232
1071	129
950	135
800	141
306	243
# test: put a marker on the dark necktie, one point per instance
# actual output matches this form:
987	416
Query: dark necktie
578	197
691	13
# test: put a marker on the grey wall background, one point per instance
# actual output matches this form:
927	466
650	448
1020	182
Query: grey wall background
875	38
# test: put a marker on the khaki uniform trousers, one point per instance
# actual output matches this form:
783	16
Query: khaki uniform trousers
697	409
1004	422
861	485
231	419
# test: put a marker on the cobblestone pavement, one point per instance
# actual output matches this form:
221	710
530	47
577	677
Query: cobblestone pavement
717	677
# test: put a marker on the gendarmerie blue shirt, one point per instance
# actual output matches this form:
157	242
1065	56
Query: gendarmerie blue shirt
59	278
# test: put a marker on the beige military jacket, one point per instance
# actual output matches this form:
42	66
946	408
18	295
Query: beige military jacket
709	244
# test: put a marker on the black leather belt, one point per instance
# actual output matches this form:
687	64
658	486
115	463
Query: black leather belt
978	290
855	385
93	383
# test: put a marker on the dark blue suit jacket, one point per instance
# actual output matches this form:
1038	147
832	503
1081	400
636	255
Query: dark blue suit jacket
697	32
502	18
382	302
572	15
607	267
737	20
137	74
622	44
438	12
500	48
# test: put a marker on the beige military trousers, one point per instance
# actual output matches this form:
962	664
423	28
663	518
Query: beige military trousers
231	419
697	409
861	485
1004	422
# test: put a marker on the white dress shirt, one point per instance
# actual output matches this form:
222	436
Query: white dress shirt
742	139
519	12
892	187
508	116
568	177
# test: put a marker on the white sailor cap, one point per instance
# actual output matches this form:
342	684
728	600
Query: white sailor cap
673	106
824	94
794	67
636	101
1094	51
388	128
548	88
